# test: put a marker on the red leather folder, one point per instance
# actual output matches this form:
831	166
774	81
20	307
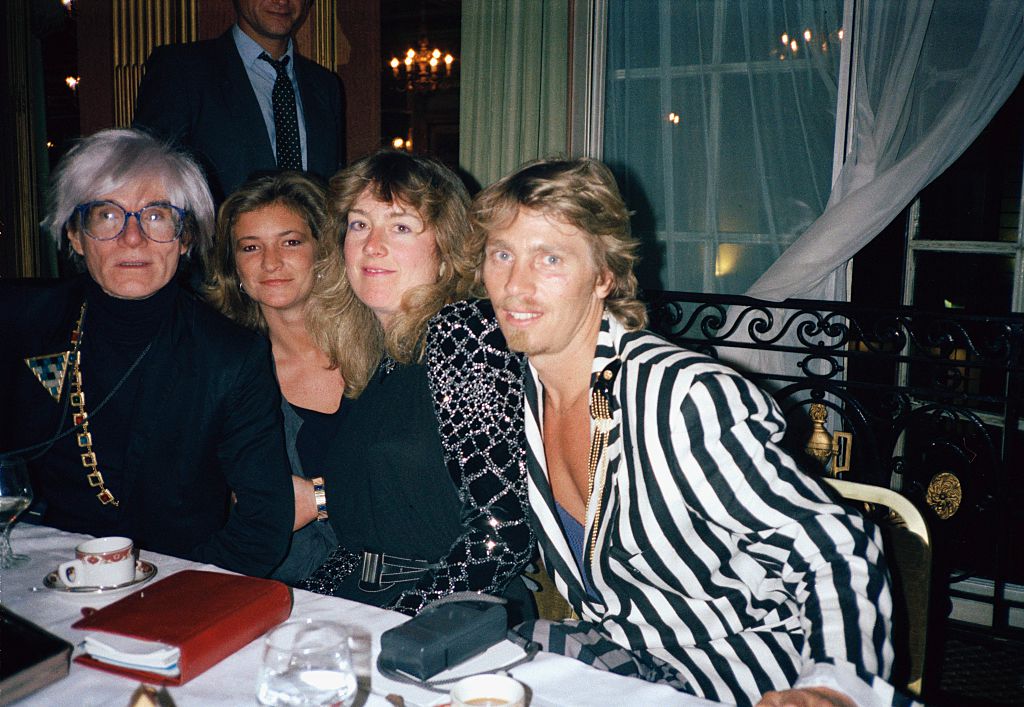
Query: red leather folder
207	615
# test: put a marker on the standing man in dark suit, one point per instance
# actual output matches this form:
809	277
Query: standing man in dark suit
246	101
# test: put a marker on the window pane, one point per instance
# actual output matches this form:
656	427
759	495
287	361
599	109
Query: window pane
741	208
981	284
688	260
737	266
879	266
782	31
694	20
638	123
639	26
774	174
689	160
717	131
978	197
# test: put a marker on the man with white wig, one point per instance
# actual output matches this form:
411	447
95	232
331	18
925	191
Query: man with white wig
140	410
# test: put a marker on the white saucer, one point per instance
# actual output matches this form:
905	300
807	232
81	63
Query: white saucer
144	571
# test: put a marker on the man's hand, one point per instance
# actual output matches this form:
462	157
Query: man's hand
305	502
806	697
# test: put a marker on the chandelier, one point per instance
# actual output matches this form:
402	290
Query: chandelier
422	70
814	42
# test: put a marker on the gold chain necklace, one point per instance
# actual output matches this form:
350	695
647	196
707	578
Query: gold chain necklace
80	418
597	460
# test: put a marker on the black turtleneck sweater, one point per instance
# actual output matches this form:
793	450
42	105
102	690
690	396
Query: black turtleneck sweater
115	333
191	442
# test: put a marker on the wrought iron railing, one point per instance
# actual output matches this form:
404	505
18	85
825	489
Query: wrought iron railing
928	403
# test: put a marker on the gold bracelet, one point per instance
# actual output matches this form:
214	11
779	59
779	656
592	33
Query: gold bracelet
320	496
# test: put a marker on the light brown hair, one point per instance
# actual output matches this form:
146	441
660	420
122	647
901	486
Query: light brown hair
342	325
581	193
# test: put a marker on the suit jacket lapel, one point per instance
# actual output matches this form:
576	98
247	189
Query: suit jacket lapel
315	112
558	556
606	352
240	99
40	406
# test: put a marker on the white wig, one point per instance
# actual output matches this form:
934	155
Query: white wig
111	159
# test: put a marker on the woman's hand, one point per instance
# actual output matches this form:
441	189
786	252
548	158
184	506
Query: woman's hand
305	502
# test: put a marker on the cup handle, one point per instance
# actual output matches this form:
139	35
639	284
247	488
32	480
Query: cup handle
76	568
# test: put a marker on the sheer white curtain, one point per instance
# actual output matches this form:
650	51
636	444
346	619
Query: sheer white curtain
928	76
719	124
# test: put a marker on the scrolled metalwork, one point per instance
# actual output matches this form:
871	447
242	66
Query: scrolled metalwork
712	320
665	317
888	335
811	323
999	344
943	337
920	391
759	326
827	366
895	404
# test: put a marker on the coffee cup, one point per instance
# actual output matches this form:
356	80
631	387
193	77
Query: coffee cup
103	562
488	691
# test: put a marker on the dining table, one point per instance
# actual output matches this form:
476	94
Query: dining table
549	679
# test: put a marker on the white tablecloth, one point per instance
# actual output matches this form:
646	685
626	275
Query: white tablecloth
551	679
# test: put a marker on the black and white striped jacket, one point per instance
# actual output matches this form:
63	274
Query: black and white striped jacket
714	552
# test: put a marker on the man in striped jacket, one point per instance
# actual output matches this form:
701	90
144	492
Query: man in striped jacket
686	540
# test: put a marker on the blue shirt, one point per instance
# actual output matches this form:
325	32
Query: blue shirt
574	534
262	76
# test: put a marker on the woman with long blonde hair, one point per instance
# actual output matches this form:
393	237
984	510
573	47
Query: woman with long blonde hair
426	475
270	236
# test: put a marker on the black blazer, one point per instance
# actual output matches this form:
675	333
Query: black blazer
207	423
199	96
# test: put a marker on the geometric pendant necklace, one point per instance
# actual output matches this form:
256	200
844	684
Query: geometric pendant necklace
81	418
52	370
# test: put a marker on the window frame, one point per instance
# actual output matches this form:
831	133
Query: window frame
588	75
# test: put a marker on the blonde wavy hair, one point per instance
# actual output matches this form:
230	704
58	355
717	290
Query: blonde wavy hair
295	190
345	328
581	193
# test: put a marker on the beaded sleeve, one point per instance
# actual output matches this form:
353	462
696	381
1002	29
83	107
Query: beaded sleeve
477	390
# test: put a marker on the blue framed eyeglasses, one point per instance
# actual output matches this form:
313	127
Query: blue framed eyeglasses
106	220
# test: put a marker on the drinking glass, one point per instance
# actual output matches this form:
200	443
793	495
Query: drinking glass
15	496
307	663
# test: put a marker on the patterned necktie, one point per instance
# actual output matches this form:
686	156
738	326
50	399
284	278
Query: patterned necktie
286	120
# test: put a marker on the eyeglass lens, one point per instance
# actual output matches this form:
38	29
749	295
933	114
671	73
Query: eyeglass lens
106	221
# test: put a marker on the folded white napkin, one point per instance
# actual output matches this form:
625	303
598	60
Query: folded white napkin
128	652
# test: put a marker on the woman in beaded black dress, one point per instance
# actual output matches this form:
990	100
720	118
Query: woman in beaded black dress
425	484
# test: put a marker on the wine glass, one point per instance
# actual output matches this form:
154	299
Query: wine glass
307	663
15	496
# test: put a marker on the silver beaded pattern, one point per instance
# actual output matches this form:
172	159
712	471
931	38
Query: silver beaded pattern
477	388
